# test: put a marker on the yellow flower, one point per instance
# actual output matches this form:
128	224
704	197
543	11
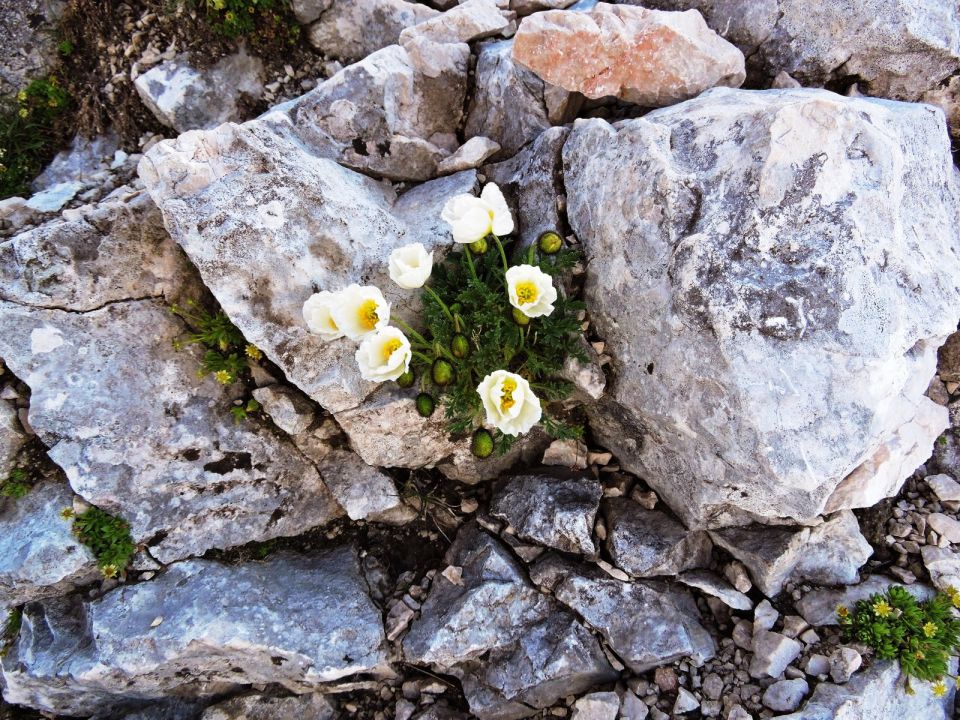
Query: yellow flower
23	112
842	612
919	655
22	96
110	571
882	608
223	377
954	596
66	513
939	688
930	629
530	290
253	352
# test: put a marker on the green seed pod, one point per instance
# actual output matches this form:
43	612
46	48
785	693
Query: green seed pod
425	404
519	318
482	443
550	242
406	380
442	372
478	247
460	346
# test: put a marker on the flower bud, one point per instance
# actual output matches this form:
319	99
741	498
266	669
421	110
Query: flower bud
425	404
460	346
519	318
482	443
550	242
406	380
442	372
478	247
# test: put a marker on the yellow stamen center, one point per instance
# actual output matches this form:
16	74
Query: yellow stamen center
368	314
506	395
389	347
526	292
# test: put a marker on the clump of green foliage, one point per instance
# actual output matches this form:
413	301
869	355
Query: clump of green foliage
17	484
472	330
268	20
108	538
921	635
28	133
11	628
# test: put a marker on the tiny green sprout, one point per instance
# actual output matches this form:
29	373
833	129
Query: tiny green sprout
425	404
482	443
550	242
442	372
407	379
460	346
479	247
519	318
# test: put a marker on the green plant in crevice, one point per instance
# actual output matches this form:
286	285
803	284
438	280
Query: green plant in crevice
28	133
11	628
267	21
17	484
107	536
921	635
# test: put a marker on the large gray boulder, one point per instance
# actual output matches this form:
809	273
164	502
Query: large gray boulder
895	48
84	323
349	30
39	556
198	629
513	649
755	270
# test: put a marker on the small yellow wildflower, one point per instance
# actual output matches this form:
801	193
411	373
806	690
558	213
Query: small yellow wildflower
223	377
882	608
919	655
930	629
22	96
253	352
66	513
954	596
110	571
843	612
23	112
939	688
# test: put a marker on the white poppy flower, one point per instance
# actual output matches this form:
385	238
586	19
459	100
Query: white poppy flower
318	315
473	218
509	402
410	266
531	290
360	310
384	355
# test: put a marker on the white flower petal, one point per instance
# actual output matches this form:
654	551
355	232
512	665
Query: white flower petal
469	217
410	266
318	315
383	355
502	217
523	411
531	290
360	310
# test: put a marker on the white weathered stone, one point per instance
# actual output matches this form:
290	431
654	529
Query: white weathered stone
349	30
944	487
364	492
844	662
945	526
224	626
596	706
943	564
312	706
185	98
706	582
786	695
471	154
289	410
686	702
647	543
772	652
39	556
819	607
648	57
470	20
678	209
570	453
12	436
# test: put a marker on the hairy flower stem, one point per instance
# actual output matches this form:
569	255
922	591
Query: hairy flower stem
441	303
473	270
410	331
503	255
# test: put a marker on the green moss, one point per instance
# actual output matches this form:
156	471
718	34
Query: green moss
17	484
108	538
11	628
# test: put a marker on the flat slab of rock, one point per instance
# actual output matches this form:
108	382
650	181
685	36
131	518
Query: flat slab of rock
197	629
943	564
678	210
258	707
828	554
513	649
711	584
646	623
185	98
349	30
12	437
646	543
558	512
648	57
39	555
819	607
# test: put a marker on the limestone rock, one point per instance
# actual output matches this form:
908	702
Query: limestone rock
364	492
875	693
648	57
829	554
525	7
81	161
511	105
819	606
387	431
471	154
306	11
945	487
185	98
646	623
943	564
947	98
894	48
711	584
786	695
513	650
349	30
945	525
39	556
28	45
678	209
468	21
12	436
292	220
772	652
647	543
260	707
558	512
596	706
223	626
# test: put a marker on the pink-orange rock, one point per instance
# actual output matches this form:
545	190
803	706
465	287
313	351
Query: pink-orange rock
648	57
